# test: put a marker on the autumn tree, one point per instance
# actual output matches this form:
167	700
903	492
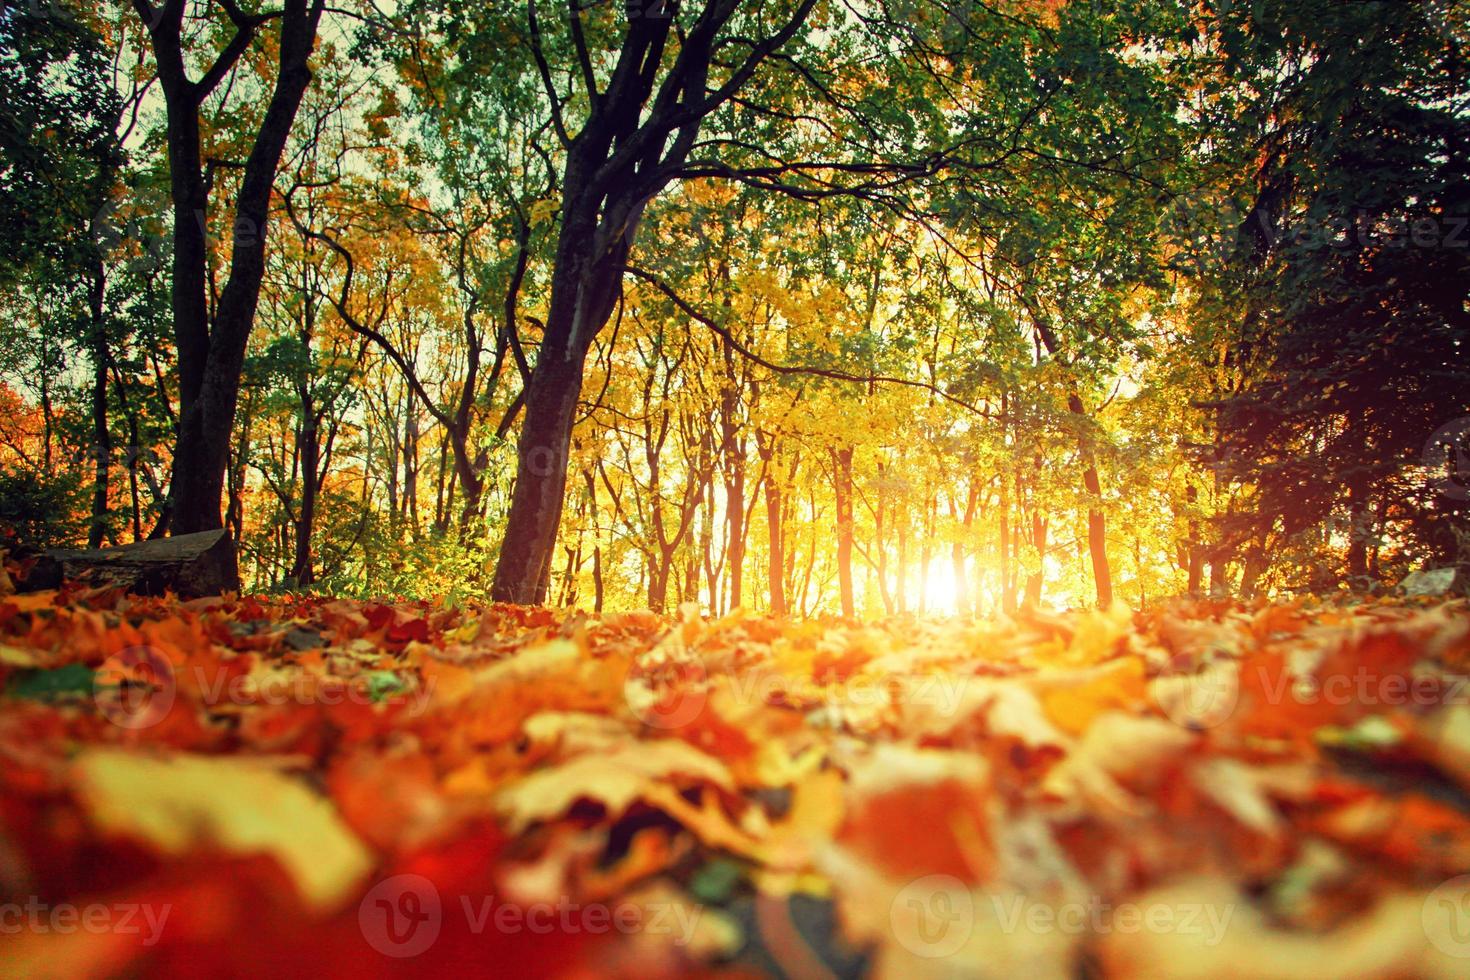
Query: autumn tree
212	332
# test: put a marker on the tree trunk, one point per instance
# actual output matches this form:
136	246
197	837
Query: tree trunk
1007	592
735	521
658	581
965	601
1035	579
309	452
1097	534
536	503
637	136
101	434
842	481
776	566
1359	531
211	357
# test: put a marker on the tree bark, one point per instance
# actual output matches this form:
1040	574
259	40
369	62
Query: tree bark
189	565
1035	579
842	482
1196	556
309	453
776	566
101	434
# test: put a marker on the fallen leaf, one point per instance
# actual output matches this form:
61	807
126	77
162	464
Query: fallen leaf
183	804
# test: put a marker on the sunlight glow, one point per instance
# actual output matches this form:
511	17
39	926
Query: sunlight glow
942	591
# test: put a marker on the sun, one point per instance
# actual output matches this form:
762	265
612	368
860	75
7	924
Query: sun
943	591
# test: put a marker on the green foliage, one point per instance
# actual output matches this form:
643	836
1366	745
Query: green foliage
44	685
39	510
58	143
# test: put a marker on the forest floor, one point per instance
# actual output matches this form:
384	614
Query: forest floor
293	787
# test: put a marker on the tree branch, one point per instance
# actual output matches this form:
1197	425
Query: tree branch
787	369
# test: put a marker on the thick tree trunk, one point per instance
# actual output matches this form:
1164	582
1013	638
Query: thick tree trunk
1007	577
1196	557
540	487
584	291
597	586
1097	541
735	525
1359	531
211	357
637	136
964	600
411	472
658	581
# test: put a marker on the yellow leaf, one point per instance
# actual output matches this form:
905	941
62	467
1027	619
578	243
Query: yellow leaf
1098	633
614	780
183	803
1072	707
17	657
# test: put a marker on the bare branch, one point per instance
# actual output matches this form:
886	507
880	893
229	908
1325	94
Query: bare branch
545	71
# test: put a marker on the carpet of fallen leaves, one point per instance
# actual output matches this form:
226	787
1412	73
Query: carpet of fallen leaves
293	787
